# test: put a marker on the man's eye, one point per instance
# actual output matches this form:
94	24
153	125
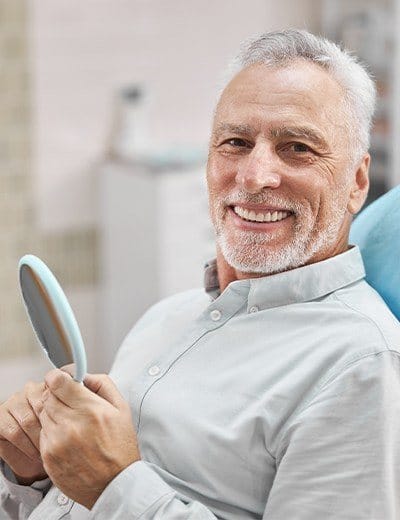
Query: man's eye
299	148
236	142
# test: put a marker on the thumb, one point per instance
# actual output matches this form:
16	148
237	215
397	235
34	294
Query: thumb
104	386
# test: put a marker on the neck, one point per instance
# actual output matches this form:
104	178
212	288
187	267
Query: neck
228	274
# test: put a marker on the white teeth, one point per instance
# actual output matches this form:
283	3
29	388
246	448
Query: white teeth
268	216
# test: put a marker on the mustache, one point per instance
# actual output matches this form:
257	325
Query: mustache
266	199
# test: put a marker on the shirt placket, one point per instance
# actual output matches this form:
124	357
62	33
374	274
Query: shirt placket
217	314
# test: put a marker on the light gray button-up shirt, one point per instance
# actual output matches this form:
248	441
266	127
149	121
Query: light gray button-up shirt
278	399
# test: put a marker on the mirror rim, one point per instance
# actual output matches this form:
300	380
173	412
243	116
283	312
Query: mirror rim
63	310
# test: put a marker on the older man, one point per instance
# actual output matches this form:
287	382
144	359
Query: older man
279	398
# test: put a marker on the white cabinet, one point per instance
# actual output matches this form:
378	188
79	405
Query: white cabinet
155	236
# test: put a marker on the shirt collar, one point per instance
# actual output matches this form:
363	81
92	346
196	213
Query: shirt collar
297	285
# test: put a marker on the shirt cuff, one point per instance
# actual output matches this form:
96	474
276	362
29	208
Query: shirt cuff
133	491
19	491
15	497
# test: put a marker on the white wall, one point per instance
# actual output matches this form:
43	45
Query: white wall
82	51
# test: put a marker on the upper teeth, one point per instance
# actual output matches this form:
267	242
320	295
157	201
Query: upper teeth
267	216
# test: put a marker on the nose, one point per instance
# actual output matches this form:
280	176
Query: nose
258	170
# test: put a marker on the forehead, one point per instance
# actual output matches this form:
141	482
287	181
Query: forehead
302	93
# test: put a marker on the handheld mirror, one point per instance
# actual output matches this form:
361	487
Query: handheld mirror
51	315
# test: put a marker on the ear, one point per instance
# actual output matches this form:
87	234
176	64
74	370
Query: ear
360	186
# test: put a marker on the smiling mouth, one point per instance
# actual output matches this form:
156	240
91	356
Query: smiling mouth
260	216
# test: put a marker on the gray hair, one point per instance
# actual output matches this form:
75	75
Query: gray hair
280	48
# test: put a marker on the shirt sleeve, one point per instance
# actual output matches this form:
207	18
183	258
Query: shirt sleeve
17	501
139	492
340	457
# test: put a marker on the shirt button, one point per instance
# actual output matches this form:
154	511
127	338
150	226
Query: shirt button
62	499
154	370
254	309
215	315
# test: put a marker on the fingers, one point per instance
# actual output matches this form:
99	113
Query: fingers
65	388
19	423
13	455
44	440
27	420
34	397
14	433
104	387
47	422
74	395
54	410
34	393
69	369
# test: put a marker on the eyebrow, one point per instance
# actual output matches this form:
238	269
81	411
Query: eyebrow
299	132
230	128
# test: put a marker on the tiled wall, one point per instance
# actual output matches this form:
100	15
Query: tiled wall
71	254
15	182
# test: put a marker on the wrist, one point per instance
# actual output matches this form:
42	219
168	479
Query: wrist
28	481
92	498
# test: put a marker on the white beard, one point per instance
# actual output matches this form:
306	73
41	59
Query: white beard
248	252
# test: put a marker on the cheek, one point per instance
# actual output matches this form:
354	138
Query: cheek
221	174
329	205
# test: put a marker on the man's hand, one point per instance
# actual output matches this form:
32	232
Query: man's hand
87	435
20	433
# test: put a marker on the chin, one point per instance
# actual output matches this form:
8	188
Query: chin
257	258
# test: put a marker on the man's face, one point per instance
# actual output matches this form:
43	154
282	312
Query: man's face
280	177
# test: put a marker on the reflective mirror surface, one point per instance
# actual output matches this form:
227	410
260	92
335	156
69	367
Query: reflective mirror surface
51	315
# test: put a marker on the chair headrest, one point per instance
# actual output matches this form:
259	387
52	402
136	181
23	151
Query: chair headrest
376	230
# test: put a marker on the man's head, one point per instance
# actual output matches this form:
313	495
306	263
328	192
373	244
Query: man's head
289	147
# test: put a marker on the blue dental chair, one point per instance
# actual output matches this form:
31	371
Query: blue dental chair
376	230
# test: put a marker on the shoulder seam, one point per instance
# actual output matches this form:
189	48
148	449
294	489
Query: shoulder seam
340	371
368	318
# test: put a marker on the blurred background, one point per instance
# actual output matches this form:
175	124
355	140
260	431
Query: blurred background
105	112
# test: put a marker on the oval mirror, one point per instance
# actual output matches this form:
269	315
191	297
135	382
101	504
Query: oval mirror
51	316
